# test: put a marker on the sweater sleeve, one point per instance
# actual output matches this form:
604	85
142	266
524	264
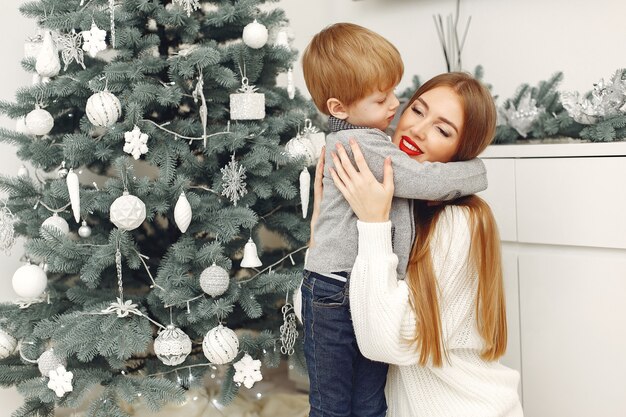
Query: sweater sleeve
423	180
381	312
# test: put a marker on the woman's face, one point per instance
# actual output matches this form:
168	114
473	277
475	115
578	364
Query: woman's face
430	128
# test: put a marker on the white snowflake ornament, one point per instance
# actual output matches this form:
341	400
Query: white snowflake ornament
247	371
95	40
60	381
136	143
233	176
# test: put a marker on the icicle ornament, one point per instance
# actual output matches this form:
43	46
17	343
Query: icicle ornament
305	191
73	187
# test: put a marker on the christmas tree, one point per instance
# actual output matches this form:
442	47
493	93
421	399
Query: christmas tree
164	156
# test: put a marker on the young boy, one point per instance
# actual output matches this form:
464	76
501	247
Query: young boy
351	73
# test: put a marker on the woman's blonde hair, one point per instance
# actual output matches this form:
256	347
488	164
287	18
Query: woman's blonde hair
479	125
347	62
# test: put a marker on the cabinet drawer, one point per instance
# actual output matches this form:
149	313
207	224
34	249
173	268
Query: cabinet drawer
500	195
572	201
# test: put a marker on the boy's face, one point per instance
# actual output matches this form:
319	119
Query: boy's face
375	110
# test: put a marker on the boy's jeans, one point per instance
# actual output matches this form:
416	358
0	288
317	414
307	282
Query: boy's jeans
343	382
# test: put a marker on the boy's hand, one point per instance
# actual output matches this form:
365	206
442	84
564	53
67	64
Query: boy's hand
318	189
370	200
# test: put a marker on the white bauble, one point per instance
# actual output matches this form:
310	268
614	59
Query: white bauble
22	171
214	280
39	122
255	35
49	361
48	62
84	230
29	281
301	146
127	212
220	345
55	222
182	213
7	344
103	109
172	346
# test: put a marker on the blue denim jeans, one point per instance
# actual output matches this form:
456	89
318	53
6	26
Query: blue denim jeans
343	382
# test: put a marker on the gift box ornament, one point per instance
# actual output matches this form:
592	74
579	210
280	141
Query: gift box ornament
247	104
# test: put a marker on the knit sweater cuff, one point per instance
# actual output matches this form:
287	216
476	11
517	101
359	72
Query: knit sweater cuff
374	238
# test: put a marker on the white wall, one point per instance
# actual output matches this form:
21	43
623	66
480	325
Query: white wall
516	41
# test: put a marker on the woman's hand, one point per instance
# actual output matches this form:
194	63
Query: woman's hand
318	188
370	200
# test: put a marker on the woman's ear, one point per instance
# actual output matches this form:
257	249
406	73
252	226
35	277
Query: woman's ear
336	108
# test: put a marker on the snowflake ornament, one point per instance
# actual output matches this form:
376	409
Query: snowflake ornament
234	176
95	40
136	143
60	381
247	371
188	5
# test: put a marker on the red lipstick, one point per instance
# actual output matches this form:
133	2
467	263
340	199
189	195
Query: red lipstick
409	147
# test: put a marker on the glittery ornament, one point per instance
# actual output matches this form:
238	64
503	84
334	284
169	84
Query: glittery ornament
95	40
182	213
606	100
301	147
250	255
55	222
188	5
73	188
288	332
103	109
49	361
29	281
524	116
7	230
317	138
48	63
84	231
305	191
62	171
172	346
60	381
247	371
127	212
7	344
136	142
39	122
247	104
255	35
70	46
198	94
220	345
214	280
291	88
233	178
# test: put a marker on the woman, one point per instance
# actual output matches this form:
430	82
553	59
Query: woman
444	327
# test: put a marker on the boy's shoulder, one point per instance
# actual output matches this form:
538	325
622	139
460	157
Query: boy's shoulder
361	135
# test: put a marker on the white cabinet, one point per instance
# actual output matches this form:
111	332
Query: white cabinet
561	211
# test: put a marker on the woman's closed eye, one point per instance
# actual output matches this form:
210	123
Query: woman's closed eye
444	132
417	111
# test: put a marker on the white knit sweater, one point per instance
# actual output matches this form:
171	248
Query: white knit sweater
384	322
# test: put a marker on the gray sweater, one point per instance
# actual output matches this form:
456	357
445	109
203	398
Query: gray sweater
336	234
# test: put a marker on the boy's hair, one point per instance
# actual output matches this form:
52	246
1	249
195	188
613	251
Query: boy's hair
347	62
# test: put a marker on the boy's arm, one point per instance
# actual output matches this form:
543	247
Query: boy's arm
422	180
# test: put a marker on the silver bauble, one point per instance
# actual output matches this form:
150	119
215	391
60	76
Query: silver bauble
214	280
29	281
172	346
84	230
127	212
103	109
39	122
7	344
255	35
220	345
55	222
49	361
301	147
